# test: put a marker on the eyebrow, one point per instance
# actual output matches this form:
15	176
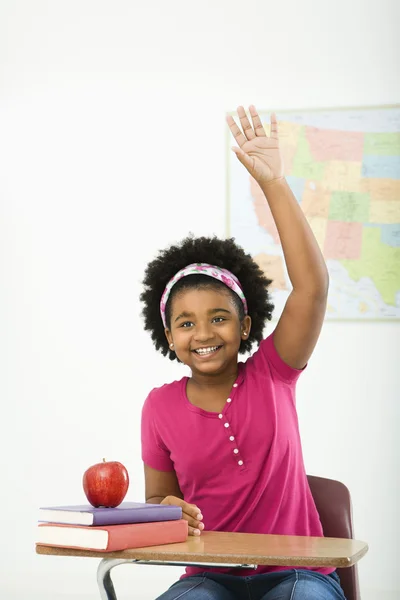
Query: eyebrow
212	311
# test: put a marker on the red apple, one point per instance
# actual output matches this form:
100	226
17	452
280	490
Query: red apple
105	484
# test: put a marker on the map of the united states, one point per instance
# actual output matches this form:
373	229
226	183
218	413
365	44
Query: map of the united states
344	168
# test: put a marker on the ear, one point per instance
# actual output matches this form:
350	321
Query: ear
168	335
245	328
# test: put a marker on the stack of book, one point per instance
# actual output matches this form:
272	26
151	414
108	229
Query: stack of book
129	525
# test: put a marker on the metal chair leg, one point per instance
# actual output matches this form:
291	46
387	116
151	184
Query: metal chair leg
106	587
104	581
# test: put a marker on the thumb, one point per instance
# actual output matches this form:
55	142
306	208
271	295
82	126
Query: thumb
243	157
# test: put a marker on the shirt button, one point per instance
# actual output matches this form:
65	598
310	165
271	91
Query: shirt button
231	438
226	424
220	416
235	385
236	451
229	400
240	462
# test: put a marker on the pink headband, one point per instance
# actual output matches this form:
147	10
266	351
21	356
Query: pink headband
228	278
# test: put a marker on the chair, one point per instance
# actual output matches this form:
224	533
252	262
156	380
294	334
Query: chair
333	502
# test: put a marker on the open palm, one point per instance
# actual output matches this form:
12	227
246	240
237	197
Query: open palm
259	153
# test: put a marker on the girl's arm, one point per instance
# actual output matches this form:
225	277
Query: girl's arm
300	324
162	487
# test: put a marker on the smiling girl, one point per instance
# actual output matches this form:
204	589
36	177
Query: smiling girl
224	443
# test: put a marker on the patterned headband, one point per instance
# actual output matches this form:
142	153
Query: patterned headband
228	278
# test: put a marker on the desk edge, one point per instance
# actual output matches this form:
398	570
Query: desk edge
139	554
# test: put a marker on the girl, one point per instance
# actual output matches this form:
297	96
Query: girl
224	443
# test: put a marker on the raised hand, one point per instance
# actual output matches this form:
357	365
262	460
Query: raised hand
190	512
259	153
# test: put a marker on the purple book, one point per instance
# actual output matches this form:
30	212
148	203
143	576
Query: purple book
127	512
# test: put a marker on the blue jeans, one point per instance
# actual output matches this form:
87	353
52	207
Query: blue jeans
293	584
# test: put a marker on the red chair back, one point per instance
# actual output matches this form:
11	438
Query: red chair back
333	502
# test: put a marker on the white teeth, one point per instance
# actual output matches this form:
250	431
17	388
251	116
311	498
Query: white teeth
206	350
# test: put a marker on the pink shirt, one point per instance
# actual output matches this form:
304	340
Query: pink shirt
243	467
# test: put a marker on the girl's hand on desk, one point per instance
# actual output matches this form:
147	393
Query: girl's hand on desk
190	512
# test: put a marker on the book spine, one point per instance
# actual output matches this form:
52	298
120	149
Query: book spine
147	534
119	517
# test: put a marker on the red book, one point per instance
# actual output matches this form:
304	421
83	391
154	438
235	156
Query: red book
110	538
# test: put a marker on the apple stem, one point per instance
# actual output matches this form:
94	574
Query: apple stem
104	460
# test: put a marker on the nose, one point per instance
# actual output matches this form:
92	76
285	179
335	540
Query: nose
203	332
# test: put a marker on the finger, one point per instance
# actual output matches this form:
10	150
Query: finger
193	531
237	134
258	126
244	158
192	511
192	514
193	522
274	127
245	123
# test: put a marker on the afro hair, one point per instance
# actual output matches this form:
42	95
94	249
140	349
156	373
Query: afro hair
212	250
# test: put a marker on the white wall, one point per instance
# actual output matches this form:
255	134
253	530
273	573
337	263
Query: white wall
112	124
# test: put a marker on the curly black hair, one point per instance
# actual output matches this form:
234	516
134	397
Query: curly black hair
212	250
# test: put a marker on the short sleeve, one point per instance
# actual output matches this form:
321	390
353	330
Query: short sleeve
154	452
268	353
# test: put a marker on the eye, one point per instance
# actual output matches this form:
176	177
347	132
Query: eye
186	324
218	319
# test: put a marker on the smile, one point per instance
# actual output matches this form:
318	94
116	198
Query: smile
206	351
